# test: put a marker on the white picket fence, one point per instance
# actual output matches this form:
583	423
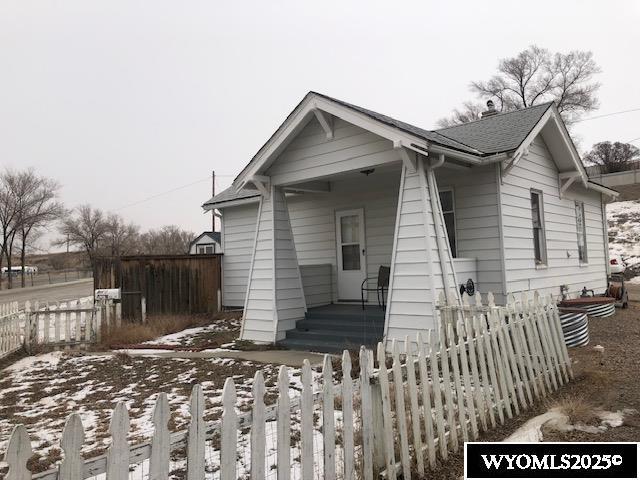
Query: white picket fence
400	414
60	325
11	329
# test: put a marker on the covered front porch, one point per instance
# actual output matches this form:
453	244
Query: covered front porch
342	194
328	242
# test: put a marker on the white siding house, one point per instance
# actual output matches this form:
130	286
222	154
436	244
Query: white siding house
205	244
339	191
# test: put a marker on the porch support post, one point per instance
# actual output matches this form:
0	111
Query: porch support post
275	297
416	275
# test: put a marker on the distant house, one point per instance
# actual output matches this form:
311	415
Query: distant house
206	243
339	191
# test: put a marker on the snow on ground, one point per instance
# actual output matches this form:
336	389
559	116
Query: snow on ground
532	430
41	391
192	335
624	233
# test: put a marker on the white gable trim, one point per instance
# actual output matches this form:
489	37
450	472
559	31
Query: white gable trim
319	107
551	115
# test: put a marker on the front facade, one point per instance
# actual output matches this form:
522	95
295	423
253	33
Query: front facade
339	191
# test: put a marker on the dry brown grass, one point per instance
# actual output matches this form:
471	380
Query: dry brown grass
577	408
131	333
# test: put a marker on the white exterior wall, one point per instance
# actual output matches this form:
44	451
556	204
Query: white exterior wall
475	193
275	299
538	171
416	274
310	155
238	236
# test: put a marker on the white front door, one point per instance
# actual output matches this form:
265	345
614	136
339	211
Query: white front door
352	269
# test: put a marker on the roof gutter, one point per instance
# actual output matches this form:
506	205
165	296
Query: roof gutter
602	189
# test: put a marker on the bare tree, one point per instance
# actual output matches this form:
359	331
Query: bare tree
121	238
38	208
168	240
86	228
613	157
470	111
9	213
536	76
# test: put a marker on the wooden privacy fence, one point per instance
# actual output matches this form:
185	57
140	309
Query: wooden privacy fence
168	283
58	325
399	415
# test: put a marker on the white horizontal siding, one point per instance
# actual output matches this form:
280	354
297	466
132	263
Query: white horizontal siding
238	236
537	170
477	216
311	155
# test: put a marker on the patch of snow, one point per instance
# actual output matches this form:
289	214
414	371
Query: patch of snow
531	431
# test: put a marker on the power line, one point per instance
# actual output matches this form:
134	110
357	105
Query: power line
166	192
608	115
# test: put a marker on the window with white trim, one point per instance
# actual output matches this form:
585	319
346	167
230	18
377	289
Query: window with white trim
448	212
581	230
539	237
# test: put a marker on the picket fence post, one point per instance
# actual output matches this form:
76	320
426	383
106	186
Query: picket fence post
328	420
18	454
347	416
196	435
118	452
229	434
72	465
366	412
306	422
387	419
160	443
258	426
401	416
283	430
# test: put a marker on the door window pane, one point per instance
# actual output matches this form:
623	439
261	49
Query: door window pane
351	257
350	229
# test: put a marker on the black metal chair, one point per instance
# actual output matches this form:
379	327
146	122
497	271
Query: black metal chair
381	285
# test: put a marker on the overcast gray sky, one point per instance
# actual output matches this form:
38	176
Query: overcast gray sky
123	100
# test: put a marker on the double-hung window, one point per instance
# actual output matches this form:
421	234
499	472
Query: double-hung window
581	229
539	240
448	212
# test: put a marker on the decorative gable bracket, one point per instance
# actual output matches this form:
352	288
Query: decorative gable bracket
326	122
408	157
514	160
565	180
262	183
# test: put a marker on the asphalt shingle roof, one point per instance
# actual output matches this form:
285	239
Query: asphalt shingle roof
230	194
497	133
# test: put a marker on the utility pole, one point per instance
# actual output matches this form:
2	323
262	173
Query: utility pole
213	194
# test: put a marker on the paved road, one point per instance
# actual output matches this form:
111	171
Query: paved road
49	293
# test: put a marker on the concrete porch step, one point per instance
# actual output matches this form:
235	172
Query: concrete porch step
316	345
338	336
342	325
351	314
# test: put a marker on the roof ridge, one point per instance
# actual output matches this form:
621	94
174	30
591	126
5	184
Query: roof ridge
499	114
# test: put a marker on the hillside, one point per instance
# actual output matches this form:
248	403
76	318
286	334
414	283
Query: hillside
624	233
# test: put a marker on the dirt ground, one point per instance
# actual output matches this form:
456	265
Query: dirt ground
41	391
610	382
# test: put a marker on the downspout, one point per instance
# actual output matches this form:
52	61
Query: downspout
438	221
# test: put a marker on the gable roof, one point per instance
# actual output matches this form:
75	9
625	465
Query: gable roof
498	133
501	133
215	236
